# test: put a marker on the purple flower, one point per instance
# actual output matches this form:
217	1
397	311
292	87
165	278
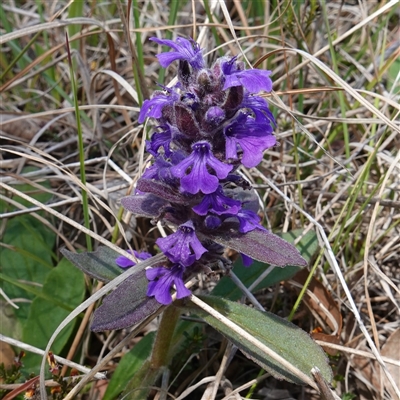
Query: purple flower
183	246
153	108
248	221
259	107
160	139
161	169
125	262
254	80
252	137
162	279
214	115
212	222
199	179
185	49
247	261
217	203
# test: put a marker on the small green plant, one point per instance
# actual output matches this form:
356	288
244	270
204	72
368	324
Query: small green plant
11	374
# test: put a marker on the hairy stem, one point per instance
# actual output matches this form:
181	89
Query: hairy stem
150	371
169	319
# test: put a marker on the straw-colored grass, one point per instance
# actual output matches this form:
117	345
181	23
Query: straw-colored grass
335	68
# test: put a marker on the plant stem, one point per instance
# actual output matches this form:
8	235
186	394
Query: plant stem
139	386
169	319
85	201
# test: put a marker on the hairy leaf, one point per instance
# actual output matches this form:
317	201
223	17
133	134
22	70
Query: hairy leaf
146	205
281	336
307	246
161	190
99	264
127	305
260	245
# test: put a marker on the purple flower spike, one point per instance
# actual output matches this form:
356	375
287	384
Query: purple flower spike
254	80
217	203
253	138
153	108
185	49
125	262
162	279
199	179
183	246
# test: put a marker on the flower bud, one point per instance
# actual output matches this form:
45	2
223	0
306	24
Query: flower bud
204	80
215	115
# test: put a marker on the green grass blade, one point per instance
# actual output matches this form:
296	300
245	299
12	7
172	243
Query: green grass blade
85	202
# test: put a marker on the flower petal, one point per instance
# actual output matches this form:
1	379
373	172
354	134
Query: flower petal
153	107
251	136
185	49
183	246
217	203
125	262
161	281
247	261
254	80
199	179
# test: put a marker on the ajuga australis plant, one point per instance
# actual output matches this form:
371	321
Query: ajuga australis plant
206	126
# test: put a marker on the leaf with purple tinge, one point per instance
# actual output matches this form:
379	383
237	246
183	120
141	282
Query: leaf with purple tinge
260	245
248	198
99	264
227	289
127	305
146	205
161	190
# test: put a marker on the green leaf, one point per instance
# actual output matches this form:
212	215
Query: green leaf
99	264
130	363
66	284
32	191
227	289
34	290
27	260
281	336
10	325
392	75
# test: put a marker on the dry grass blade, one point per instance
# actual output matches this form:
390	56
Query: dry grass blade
48	26
61	360
82	307
346	187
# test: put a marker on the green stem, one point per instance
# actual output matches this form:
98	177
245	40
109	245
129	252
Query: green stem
85	201
139	47
115	232
342	100
139	386
169	319
19	56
